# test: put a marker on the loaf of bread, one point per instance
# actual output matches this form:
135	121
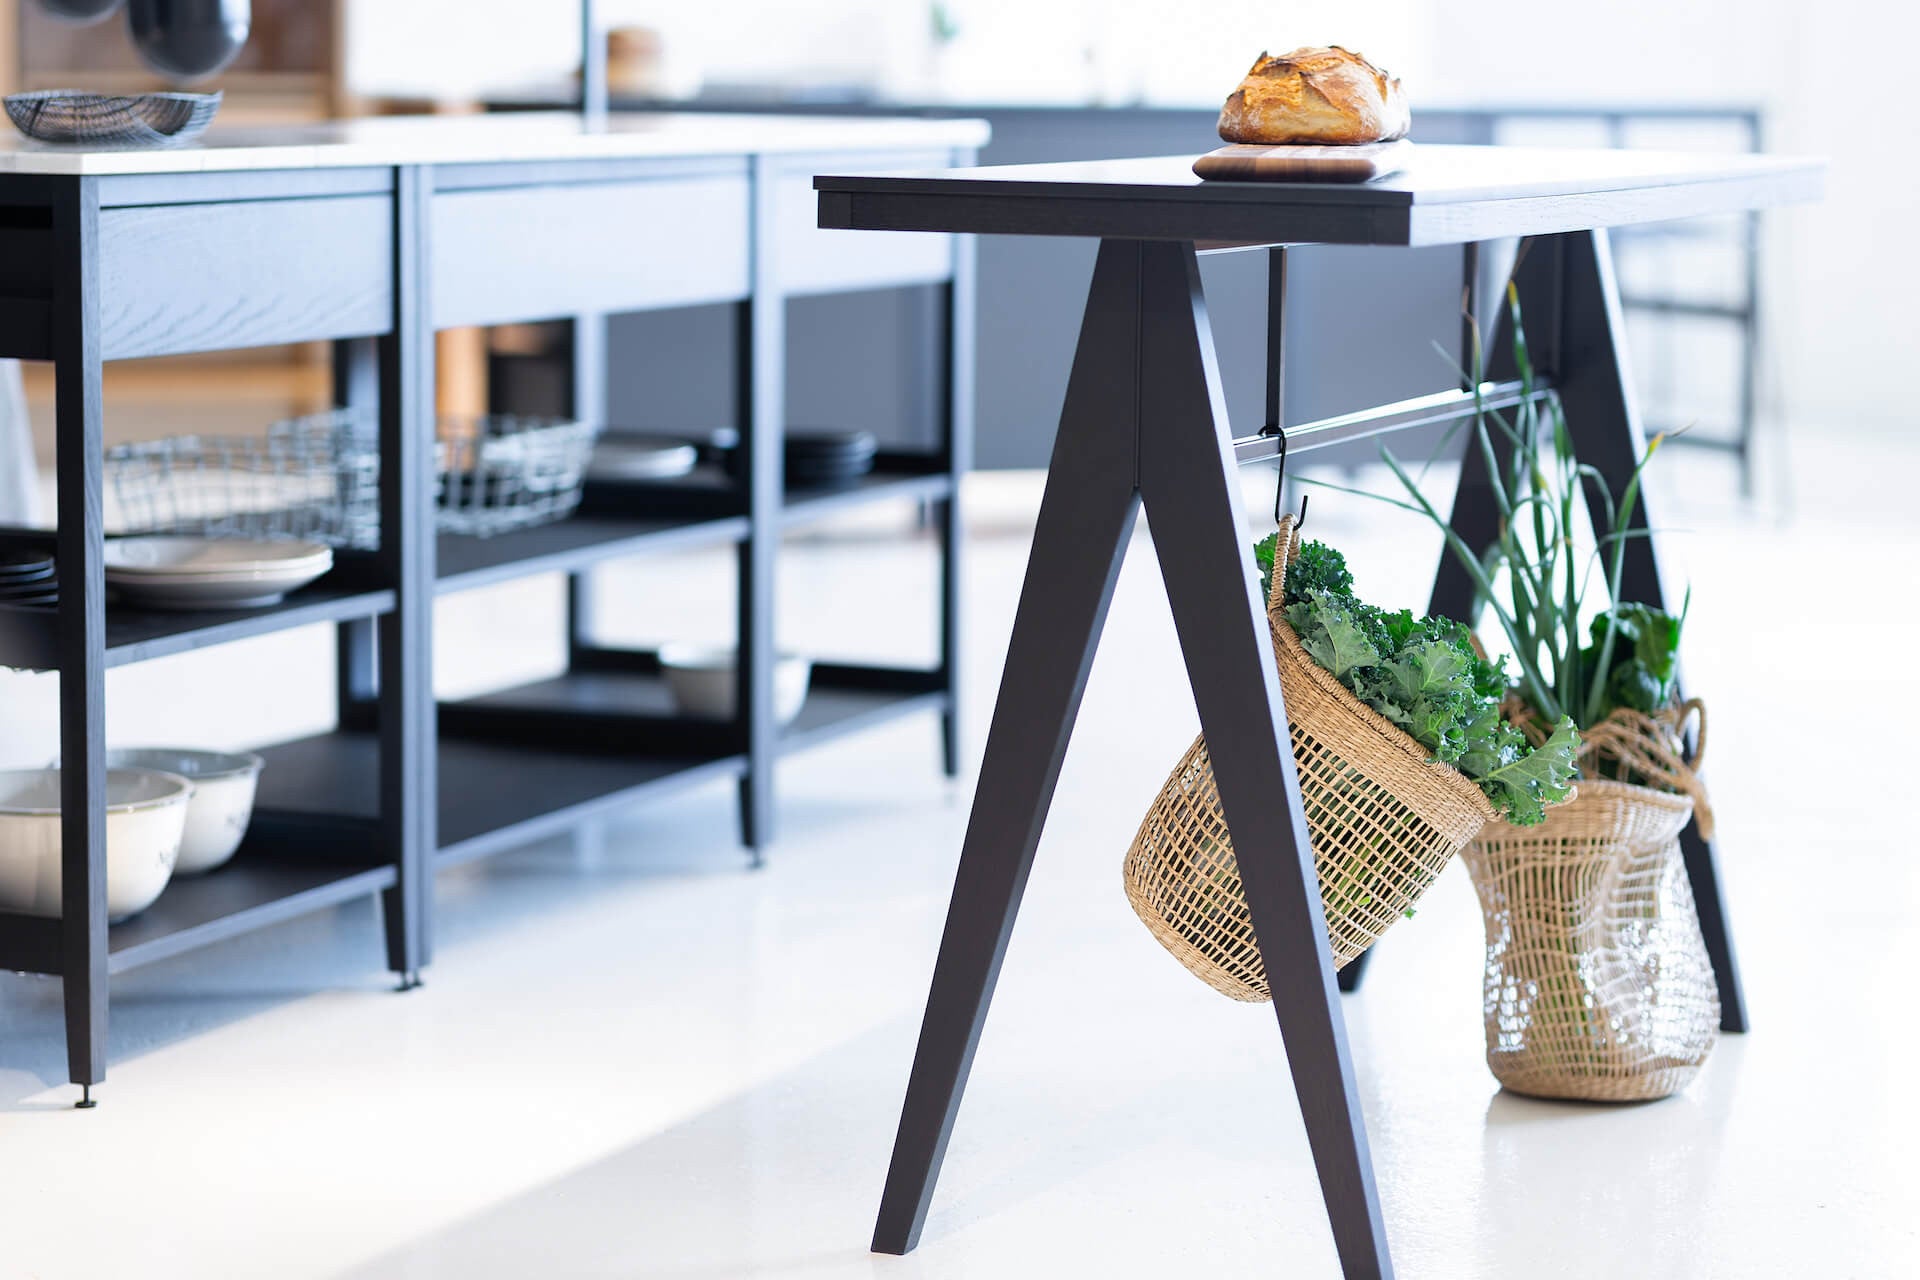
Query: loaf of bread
1315	95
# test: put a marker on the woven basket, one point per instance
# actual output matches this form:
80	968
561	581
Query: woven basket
1384	821
1598	984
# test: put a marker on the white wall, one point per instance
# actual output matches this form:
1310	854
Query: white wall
1838	278
1006	50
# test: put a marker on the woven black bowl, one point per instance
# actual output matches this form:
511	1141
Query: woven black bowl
112	120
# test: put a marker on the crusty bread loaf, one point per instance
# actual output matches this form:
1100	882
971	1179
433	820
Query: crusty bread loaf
1315	95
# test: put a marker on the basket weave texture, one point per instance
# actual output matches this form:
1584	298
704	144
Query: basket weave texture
1598	984
1383	819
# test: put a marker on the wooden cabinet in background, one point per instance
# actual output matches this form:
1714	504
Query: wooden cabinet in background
291	69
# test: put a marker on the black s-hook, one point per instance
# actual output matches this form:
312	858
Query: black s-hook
1280	478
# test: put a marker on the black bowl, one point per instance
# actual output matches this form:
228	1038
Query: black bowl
189	39
112	120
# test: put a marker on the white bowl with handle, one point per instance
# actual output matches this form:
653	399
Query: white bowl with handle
222	804
701	679
146	819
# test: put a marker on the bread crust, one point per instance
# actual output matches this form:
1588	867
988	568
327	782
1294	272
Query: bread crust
1314	95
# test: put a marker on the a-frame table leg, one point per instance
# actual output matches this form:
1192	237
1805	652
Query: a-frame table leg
1086	518
1143	418
1576	337
1189	483
1592	377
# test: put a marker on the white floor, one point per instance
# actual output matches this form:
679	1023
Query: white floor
634	1058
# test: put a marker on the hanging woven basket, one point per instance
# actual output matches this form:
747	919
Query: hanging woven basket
1383	818
1598	984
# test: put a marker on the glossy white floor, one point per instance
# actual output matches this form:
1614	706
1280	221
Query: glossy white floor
634	1058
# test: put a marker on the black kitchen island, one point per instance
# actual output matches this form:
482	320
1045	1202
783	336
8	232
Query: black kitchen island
372	235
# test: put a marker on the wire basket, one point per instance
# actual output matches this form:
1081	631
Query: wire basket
114	120
506	472
316	479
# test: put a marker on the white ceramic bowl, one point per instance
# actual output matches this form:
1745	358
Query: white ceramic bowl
146	818
701	679
222	804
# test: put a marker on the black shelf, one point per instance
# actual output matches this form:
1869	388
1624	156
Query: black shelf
27	636
575	543
894	476
616	703
701	509
536	759
710	493
251	892
493	795
842	701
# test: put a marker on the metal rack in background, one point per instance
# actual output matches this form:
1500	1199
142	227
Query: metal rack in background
1741	313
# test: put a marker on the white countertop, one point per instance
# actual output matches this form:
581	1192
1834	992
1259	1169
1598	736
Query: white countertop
484	139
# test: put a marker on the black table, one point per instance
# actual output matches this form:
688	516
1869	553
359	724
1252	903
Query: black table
1144	422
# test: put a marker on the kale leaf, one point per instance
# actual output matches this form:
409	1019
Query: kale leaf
1523	787
1333	633
1645	661
1424	675
1317	567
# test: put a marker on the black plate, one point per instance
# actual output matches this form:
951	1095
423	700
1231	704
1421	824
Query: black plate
25	564
838	445
829	459
827	475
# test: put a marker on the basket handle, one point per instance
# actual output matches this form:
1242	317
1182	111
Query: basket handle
1696	709
1286	549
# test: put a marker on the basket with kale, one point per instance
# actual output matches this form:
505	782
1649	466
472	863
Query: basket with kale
1402	756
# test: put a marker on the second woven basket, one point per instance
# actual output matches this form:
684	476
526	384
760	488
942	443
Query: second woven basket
1598	982
1383	818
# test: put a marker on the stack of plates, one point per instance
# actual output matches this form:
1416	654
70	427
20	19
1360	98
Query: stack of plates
636	458
829	457
212	573
26	579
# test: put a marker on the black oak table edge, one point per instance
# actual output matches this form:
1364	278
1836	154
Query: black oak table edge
1447	198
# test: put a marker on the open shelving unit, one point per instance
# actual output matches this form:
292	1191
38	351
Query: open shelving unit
404	784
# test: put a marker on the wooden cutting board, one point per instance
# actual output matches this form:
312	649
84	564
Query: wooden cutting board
1251	162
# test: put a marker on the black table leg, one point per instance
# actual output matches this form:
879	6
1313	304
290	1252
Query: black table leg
1085	520
409	763
1143	417
760	412
954	413
1576	337
1189	483
80	624
1590	371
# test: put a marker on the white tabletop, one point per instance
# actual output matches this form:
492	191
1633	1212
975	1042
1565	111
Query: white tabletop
482	139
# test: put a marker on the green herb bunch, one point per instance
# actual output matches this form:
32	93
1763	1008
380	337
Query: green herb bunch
1424	676
1626	658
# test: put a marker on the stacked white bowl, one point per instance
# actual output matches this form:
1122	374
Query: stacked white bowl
222	804
146	821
